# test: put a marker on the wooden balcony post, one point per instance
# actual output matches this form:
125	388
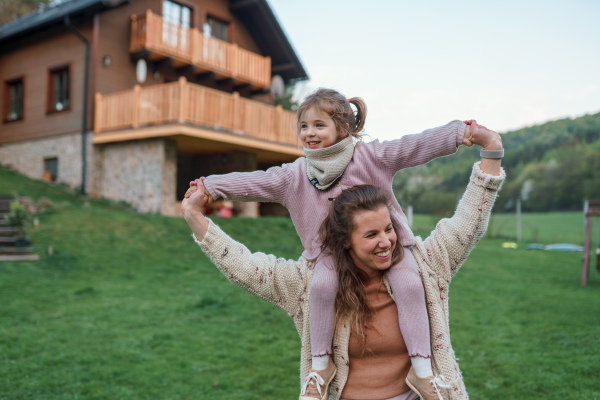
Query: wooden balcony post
97	113
266	78
134	34
182	86
149	31
237	128
278	123
136	106
234	67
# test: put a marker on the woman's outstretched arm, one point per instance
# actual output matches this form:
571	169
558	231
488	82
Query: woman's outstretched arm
276	280
453	238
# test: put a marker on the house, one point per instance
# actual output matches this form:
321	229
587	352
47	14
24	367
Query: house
131	99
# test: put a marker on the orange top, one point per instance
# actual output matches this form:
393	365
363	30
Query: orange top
380	371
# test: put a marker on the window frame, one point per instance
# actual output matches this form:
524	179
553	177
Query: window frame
50	109
7	103
180	3
212	16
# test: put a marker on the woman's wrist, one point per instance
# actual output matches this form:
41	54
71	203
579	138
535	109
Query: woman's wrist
493	146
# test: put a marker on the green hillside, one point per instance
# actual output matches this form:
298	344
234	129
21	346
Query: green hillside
129	308
552	167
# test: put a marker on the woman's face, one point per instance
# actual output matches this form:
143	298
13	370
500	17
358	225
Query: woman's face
373	240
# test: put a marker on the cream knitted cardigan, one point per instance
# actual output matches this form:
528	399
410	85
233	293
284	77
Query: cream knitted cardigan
286	283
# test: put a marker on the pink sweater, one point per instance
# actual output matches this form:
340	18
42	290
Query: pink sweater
373	163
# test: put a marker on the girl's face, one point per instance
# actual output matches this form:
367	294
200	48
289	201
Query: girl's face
373	240
317	129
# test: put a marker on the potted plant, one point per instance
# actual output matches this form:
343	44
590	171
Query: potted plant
18	217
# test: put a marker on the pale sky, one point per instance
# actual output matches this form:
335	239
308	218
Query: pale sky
420	64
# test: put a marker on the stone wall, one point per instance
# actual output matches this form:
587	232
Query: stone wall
140	173
28	157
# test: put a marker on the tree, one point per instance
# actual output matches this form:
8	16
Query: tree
13	9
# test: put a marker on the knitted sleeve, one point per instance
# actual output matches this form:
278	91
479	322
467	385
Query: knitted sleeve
419	148
280	282
453	238
264	186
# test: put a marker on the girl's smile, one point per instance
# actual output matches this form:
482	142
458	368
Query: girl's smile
317	129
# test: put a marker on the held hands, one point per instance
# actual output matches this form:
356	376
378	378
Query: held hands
192	207
482	136
198	185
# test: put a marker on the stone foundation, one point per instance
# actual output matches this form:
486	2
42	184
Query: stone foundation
140	173
28	157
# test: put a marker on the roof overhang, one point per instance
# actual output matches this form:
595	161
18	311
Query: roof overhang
270	37
49	17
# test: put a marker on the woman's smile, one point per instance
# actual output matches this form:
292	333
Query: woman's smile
373	240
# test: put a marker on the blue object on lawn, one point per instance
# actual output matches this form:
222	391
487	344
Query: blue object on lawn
564	247
535	246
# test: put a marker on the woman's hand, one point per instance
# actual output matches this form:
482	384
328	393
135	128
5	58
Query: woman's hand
489	140
482	136
192	207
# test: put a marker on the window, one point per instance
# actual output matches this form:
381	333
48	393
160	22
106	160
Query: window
59	98
177	14
50	169
216	28
13	100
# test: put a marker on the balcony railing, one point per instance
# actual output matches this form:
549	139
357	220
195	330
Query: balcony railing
187	103
149	32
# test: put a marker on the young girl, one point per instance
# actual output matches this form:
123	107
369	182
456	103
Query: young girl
334	161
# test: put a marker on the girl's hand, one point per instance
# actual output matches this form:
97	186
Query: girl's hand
482	136
192	208
198	184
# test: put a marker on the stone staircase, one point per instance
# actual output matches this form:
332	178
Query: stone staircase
8	237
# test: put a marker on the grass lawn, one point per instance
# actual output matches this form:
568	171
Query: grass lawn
129	308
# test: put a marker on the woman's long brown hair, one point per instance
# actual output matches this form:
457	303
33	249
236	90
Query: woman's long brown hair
335	233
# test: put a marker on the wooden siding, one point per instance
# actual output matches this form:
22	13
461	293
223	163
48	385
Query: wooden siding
32	63
182	102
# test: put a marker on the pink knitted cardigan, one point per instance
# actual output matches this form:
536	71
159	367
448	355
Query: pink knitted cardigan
373	163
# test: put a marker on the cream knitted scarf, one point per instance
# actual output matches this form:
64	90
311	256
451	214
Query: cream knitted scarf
326	166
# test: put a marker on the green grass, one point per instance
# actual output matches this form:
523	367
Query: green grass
129	308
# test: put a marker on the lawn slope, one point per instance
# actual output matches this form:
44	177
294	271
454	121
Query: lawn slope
128	307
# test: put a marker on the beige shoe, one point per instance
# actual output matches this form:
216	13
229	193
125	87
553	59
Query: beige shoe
429	388
316	384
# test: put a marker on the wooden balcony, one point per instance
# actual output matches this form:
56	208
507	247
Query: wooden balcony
183	108
189	47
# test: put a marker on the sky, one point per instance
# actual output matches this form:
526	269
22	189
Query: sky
420	64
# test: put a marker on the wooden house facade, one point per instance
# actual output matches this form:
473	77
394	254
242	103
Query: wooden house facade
131	99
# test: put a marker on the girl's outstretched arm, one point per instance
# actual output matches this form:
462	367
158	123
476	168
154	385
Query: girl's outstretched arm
263	186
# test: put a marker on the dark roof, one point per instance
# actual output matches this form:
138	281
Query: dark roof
270	37
266	30
48	16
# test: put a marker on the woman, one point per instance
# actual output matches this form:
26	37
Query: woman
286	283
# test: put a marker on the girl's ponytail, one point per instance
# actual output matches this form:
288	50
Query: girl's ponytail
360	116
337	106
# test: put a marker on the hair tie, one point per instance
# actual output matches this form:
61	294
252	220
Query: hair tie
348	100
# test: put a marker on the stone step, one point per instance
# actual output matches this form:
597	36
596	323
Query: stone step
26	257
8	231
16	250
7	241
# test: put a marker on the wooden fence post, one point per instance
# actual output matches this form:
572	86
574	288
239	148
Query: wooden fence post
182	86
278	123
97	113
236	113
266	78
136	106
234	69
